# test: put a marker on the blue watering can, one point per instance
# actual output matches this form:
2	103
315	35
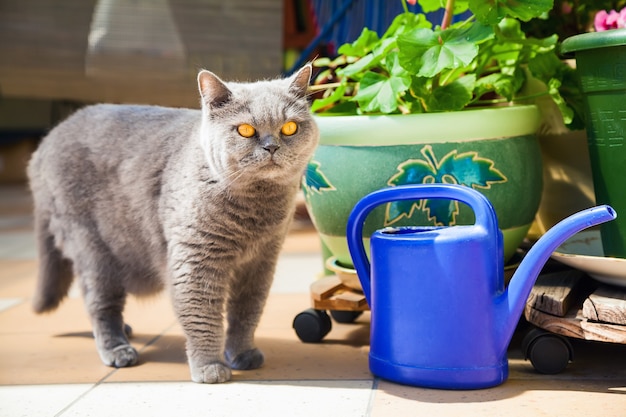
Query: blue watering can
441	315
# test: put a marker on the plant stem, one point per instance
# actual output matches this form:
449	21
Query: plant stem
405	7
319	87
515	99
447	16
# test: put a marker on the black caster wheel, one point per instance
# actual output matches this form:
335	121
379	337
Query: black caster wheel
312	325
346	317
548	353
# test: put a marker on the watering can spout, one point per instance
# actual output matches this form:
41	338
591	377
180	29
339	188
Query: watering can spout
513	301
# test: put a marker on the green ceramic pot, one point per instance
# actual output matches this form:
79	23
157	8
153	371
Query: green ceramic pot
493	150
601	67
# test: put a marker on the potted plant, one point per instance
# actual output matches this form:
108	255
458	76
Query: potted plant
567	174
601	61
447	103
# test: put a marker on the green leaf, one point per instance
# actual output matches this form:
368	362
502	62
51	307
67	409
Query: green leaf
476	171
460	6
546	66
362	45
399	209
343	108
315	180
427	53
466	169
336	95
413	171
431	5
453	96
504	85
380	92
568	114
405	22
492	11
442	211
370	60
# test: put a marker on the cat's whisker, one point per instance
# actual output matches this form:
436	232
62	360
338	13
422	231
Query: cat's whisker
232	177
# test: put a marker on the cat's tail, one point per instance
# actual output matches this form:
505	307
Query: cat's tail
55	272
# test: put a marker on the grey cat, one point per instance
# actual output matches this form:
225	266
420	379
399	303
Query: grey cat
136	199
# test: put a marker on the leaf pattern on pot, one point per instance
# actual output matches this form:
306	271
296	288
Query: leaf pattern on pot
314	180
465	168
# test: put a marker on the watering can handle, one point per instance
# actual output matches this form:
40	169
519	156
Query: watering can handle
481	206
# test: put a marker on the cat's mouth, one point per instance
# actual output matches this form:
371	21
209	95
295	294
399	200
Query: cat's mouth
271	162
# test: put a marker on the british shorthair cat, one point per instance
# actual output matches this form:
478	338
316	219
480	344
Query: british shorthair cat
137	199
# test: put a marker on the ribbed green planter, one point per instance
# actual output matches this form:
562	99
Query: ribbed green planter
601	67
493	150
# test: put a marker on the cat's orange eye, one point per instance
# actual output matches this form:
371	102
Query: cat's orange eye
289	128
246	130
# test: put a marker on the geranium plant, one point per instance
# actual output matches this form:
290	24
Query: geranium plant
416	67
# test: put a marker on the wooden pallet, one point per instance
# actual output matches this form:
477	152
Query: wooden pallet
572	304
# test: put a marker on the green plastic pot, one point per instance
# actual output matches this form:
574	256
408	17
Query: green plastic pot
493	150
601	67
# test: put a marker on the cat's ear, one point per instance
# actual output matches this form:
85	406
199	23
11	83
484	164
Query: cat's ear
213	90
300	81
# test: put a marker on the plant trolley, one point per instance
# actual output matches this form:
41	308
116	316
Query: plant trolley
330	293
569	304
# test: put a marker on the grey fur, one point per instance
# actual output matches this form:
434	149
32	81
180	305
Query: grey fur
135	199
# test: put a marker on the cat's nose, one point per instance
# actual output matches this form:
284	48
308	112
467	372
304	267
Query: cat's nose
270	144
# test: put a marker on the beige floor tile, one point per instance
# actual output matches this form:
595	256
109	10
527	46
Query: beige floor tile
40	359
513	398
592	360
39	400
52	348
302	241
259	399
69	318
342	355
17	278
59	348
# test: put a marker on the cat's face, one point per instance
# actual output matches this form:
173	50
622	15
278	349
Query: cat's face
257	131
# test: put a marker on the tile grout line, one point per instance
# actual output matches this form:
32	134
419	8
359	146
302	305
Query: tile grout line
372	398
112	372
81	396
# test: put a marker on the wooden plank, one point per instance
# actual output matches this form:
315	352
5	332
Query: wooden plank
576	326
329	293
555	293
565	326
603	332
345	301
606	305
325	287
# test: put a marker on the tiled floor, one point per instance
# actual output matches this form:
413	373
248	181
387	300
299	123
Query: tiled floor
49	365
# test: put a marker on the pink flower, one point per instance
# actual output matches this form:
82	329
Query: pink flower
412	2
612	20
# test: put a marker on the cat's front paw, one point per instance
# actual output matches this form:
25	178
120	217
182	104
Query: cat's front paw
120	356
250	359
212	373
